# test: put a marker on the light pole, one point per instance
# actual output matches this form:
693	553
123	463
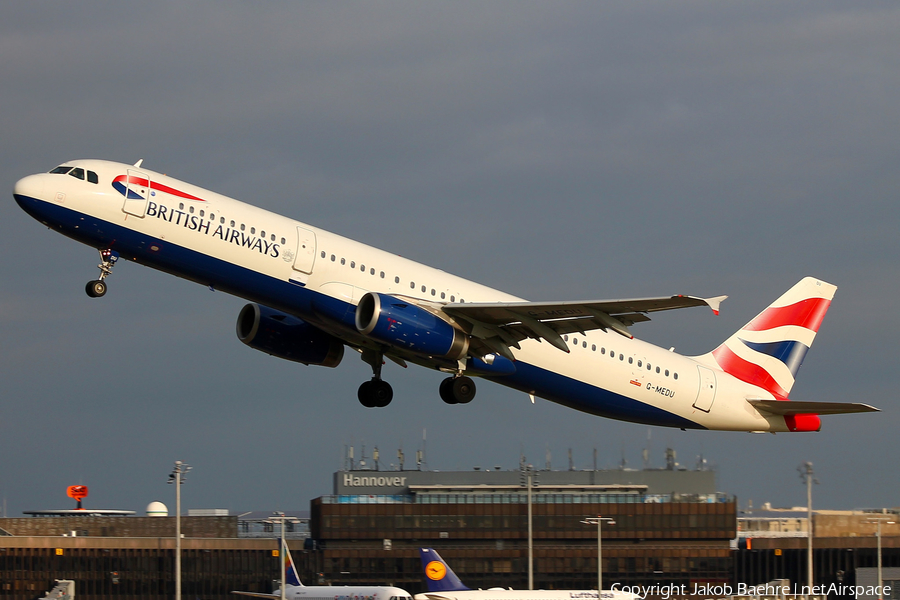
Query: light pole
808	477
878	536
279	516
598	520
528	473
177	477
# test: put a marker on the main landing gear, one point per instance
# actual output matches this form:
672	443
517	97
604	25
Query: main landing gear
375	393
457	390
97	287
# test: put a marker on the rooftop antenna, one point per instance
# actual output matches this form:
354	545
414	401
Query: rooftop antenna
670	459
375	456
646	453
549	456
571	464
595	459
362	457
400	457
350	457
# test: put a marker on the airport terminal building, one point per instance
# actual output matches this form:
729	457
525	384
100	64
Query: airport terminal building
671	526
668	521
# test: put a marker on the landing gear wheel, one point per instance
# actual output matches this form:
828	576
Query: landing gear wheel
375	393
457	390
96	288
446	391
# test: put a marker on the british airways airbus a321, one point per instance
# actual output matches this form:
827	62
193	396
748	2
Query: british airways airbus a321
315	293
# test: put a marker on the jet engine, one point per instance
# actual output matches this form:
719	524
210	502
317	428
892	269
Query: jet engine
405	325
287	337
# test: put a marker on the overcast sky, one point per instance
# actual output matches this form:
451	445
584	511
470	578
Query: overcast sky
555	150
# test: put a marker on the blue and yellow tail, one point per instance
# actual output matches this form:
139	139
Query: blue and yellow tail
439	577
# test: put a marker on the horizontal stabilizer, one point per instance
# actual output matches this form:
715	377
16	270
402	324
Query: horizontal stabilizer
790	407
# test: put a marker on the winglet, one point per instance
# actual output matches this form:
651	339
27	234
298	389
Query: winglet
714	303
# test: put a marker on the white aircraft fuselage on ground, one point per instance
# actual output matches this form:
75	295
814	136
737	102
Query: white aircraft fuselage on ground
315	293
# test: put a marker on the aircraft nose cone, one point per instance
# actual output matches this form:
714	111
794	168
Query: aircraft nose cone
29	187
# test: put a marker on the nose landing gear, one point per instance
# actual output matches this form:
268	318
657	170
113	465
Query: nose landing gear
97	287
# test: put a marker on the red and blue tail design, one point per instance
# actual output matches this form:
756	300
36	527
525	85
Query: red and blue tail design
768	351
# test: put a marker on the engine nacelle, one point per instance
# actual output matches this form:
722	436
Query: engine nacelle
287	337
404	325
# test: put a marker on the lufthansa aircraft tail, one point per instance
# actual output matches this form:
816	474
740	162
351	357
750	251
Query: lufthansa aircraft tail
767	352
439	577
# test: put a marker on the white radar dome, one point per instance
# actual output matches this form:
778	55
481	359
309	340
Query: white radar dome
157	509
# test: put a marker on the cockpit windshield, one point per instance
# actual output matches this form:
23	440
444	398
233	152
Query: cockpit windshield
76	172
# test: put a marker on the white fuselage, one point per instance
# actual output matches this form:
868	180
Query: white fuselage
319	277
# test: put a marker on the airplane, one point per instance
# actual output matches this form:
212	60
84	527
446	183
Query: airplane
314	293
444	584
295	590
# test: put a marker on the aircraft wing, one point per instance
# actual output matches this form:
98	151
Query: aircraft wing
258	595
787	408
501	325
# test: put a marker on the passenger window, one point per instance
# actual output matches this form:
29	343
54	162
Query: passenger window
272	237
667	372
77	173
640	364
396	280
343	261
565	337
630	360
222	220
412	285
382	274
262	234
593	347
92	177
362	268
575	341
352	264
602	350
584	344
191	210
443	295
202	213
283	241
621	357
323	254
371	271
181	206
452	298
675	375
657	369
332	258
433	292
232	225
648	366
423	289
252	229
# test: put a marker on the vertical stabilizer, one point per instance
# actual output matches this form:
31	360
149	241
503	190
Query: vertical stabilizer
768	351
290	570
439	577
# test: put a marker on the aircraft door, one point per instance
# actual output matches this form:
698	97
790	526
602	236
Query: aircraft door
707	392
306	250
137	193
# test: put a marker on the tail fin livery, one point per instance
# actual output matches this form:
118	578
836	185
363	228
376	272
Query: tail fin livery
768	351
290	571
439	577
